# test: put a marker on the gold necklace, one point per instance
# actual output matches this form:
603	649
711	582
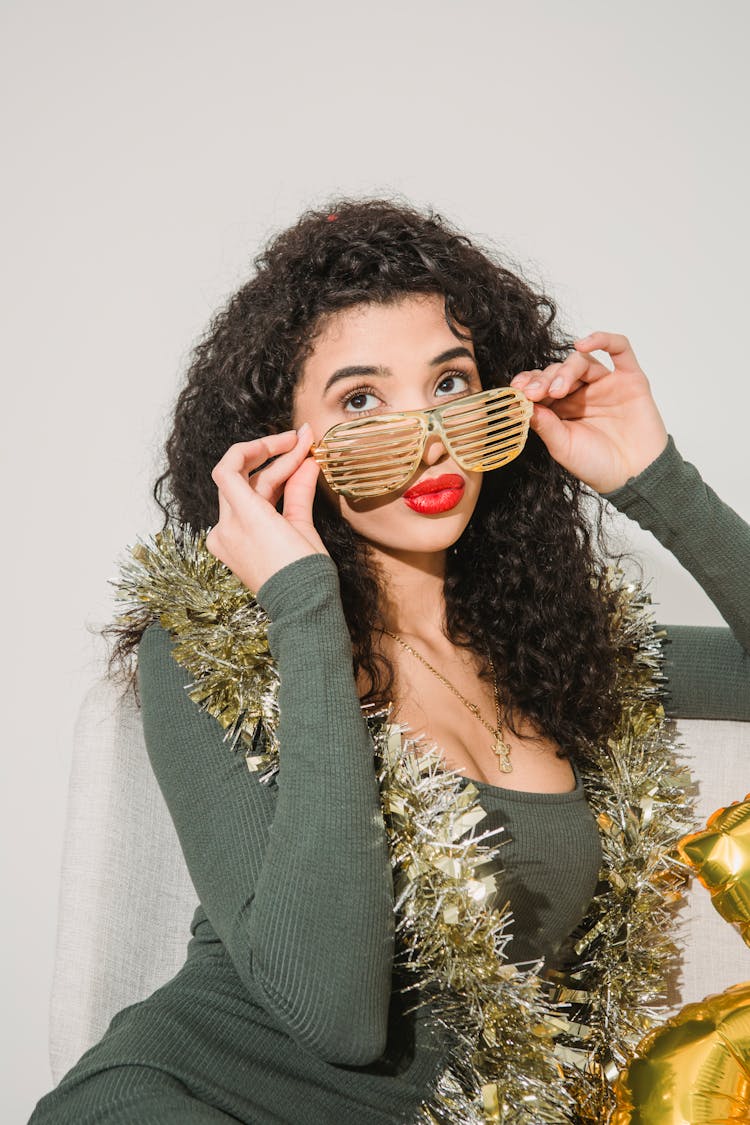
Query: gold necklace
500	747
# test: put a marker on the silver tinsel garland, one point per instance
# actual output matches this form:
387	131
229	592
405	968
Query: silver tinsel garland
527	1047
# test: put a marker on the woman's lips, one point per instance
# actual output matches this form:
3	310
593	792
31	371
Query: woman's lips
432	484
437	500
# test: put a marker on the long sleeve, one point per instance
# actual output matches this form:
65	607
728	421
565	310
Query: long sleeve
707	668
294	876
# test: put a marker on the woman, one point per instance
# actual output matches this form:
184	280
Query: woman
477	612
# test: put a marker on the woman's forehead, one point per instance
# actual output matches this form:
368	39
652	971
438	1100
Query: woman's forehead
374	332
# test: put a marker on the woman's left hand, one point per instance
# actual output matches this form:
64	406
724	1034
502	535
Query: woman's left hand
602	425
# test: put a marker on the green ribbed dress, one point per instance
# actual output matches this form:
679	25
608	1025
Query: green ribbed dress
285	1011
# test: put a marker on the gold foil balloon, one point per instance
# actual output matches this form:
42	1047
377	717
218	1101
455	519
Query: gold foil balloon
720	857
695	1070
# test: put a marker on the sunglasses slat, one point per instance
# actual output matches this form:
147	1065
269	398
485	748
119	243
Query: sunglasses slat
464	406
474	416
486	431
376	444
374	483
501	437
362	461
347	473
491	458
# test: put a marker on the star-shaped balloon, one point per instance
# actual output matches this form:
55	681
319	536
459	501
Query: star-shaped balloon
720	857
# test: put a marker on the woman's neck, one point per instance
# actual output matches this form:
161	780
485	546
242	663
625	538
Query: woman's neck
413	596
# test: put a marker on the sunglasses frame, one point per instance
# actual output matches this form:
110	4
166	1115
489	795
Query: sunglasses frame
431	420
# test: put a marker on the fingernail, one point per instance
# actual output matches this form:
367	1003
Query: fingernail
534	385
304	430
557	384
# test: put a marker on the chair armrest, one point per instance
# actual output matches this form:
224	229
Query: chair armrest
714	956
126	900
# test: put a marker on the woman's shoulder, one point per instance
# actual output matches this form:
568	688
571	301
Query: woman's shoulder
173	721
157	669
155	646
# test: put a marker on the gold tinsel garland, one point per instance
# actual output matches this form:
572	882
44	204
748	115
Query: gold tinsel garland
527	1048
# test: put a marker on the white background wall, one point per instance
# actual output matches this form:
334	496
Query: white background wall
151	147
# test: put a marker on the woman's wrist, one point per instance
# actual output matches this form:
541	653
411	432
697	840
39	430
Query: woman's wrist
666	497
651	467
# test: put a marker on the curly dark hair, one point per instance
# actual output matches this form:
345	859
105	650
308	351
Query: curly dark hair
524	581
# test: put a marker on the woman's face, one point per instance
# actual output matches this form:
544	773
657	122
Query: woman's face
413	362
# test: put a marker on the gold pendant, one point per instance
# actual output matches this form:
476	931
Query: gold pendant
502	750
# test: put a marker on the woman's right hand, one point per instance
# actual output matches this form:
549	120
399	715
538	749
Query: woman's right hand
251	537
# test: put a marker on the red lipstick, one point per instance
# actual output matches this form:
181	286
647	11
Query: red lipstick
435	494
434	484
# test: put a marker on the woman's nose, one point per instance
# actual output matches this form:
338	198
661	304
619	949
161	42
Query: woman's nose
434	449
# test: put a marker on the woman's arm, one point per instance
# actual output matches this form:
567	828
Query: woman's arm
708	669
603	425
294	877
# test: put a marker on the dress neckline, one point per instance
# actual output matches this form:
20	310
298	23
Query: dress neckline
522	796
526	796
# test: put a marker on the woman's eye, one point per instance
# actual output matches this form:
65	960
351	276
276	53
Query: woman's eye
451	377
354	399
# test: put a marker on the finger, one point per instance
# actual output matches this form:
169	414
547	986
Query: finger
243	456
299	493
211	542
523	378
552	430
215	533
576	373
614	344
270	481
231	472
225	508
581	404
557	380
568	376
538	386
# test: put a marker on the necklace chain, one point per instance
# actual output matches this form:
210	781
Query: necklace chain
500	747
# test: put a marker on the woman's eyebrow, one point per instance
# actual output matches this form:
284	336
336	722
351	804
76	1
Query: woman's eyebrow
347	372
